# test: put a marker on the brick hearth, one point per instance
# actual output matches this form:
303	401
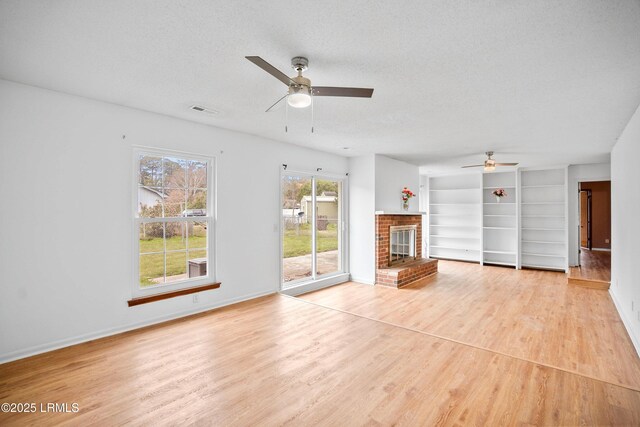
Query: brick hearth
400	274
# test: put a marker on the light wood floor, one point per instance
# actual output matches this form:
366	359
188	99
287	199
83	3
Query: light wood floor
529	314
594	270
281	360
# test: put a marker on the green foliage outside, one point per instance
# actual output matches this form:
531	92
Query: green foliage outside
152	265
299	243
295	188
321	187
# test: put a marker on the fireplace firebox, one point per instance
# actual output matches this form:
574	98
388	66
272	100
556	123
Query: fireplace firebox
402	244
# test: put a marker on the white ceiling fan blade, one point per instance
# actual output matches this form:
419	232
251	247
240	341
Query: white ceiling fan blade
506	164
473	166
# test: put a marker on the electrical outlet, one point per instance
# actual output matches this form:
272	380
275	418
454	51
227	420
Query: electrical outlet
195	298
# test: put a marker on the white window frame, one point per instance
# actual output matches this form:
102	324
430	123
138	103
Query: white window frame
210	219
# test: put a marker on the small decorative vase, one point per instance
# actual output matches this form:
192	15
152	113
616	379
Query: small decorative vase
498	199
405	206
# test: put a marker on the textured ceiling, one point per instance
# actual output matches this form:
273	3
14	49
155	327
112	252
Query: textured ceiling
535	81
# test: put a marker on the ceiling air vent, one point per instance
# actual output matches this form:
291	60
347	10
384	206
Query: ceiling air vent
206	110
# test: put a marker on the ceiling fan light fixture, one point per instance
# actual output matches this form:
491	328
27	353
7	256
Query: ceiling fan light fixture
299	96
489	165
299	100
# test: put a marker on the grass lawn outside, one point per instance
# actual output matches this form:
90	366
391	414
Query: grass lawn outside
299	243
296	243
152	265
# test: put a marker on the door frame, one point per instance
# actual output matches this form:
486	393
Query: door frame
575	185
589	221
299	286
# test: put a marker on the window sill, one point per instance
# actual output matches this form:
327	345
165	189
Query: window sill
166	295
303	288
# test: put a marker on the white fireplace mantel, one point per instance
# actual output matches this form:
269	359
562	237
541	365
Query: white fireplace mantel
399	213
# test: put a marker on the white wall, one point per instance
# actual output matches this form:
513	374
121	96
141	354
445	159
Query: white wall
423	206
361	218
625	227
391	176
66	225
375	183
577	174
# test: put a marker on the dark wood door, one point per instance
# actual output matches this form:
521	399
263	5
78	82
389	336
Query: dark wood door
585	219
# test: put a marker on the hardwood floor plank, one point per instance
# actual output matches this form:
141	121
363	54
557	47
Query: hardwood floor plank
528	314
594	271
279	360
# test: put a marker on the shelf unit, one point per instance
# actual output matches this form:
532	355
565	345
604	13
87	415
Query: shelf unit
500	219
543	219
455	206
526	228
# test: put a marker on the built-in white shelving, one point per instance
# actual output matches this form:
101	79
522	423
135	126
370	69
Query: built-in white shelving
525	228
499	219
543	220
455	207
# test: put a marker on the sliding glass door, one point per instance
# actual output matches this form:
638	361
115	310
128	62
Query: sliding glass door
312	228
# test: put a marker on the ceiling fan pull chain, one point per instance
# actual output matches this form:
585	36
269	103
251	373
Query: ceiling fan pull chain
286	117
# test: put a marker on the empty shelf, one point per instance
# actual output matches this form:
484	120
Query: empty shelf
435	214
544	255
542	203
454	226
456	249
454	189
454	237
543	229
454	204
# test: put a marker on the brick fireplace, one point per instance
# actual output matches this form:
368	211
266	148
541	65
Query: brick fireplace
399	259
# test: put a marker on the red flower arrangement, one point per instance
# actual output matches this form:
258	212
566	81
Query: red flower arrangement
407	194
499	192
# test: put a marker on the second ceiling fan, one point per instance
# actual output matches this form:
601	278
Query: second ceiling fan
300	88
490	164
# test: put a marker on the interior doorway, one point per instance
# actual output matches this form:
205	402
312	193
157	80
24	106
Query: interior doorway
594	259
595	215
586	230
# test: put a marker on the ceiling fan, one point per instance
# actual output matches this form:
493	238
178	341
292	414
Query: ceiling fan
490	164
300	89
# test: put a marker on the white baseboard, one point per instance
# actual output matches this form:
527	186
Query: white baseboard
362	280
317	285
67	342
627	324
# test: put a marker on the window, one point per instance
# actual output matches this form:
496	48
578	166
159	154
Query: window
173	214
